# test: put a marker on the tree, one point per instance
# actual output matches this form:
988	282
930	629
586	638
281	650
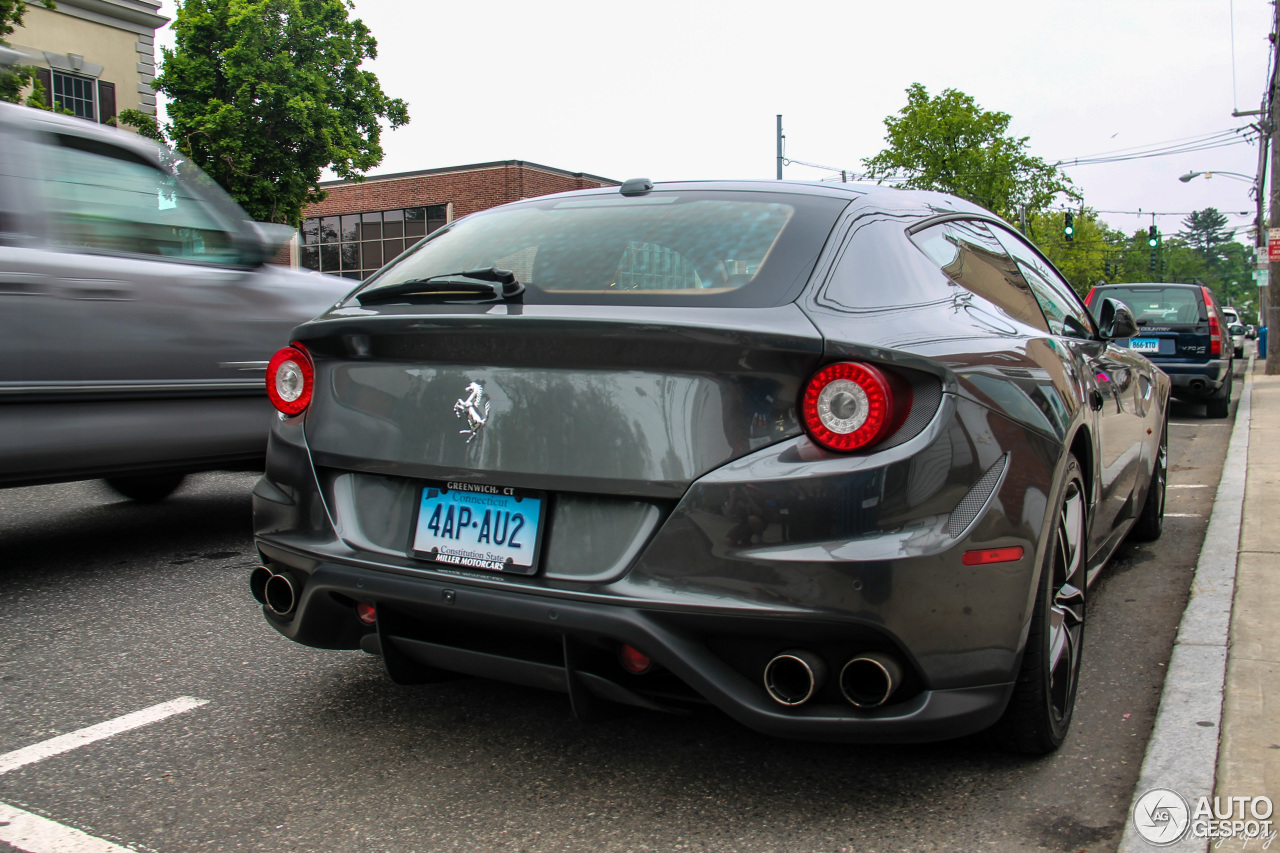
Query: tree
265	94
949	143
13	79
1206	231
1094	250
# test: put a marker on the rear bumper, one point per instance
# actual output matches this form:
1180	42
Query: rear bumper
1197	379
569	646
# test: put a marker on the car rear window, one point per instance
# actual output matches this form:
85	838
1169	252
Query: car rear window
1156	304
708	248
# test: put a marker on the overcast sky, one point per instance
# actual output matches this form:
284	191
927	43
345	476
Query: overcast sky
675	89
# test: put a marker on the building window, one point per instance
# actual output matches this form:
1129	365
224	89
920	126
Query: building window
74	94
355	245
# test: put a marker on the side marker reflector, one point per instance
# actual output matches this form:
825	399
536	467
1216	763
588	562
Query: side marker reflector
992	555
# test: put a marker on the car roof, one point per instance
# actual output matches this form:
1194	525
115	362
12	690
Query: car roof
863	195
1149	284
50	122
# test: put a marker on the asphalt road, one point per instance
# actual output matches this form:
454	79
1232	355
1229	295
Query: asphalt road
111	607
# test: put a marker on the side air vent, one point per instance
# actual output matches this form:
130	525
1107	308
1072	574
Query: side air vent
926	397
970	506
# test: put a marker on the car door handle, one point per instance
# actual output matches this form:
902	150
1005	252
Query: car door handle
17	283
99	289
1095	399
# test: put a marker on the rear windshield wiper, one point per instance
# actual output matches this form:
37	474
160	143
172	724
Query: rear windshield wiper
482	285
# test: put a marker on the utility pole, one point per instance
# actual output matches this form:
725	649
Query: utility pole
780	138
1272	101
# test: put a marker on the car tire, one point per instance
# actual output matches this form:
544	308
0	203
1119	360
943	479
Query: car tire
1219	405
1150	523
146	488
1038	716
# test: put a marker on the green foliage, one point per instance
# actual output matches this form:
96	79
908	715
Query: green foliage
1203	254
1084	259
144	123
265	94
951	144
14	79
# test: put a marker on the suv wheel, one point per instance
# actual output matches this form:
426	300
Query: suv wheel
1219	404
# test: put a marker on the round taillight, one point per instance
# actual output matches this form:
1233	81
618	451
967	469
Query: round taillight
366	613
289	379
850	405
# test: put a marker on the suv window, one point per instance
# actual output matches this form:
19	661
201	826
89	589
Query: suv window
1062	307
110	199
972	258
1153	304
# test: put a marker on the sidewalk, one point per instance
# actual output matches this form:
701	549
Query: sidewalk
1249	755
1218	729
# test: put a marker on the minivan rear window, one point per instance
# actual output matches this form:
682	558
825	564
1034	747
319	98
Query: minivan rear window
1155	304
713	248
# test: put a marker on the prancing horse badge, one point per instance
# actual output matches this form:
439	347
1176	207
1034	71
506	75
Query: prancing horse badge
475	408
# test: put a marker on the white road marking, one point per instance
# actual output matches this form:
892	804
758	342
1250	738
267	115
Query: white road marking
64	743
1187	486
1183	515
34	834
1198	423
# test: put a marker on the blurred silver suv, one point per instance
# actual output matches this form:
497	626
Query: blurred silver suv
137	313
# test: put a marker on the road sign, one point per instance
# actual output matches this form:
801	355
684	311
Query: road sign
1273	245
1263	277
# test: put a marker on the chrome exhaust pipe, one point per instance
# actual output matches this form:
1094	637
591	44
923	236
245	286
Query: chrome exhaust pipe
258	583
793	677
868	680
280	594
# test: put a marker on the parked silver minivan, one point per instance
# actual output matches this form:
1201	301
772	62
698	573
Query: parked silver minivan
137	313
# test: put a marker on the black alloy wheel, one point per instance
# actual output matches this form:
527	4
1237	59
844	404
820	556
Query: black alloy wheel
1150	523
1039	713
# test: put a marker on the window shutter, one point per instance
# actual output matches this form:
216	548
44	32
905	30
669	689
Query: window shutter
45	78
106	101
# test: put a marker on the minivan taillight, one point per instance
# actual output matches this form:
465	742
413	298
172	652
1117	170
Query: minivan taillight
1215	331
851	405
290	378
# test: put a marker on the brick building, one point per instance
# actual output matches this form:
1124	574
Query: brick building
361	225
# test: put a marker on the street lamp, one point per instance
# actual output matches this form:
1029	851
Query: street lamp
1189	175
1255	191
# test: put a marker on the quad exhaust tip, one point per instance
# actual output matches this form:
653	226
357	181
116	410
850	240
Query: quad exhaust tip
868	680
277	592
793	677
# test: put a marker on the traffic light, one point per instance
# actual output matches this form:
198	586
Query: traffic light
1068	227
1106	268
1153	237
1152	267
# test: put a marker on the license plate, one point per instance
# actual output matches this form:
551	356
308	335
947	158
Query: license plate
474	526
1144	344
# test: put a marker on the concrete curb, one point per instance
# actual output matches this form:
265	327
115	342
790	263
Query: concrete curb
1182	754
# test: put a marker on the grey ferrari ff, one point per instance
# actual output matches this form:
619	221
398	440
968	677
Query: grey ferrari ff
839	461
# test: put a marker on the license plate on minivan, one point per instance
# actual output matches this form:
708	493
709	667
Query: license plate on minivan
475	526
1144	344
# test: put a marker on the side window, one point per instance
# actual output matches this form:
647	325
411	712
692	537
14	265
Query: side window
106	198
972	258
1064	310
